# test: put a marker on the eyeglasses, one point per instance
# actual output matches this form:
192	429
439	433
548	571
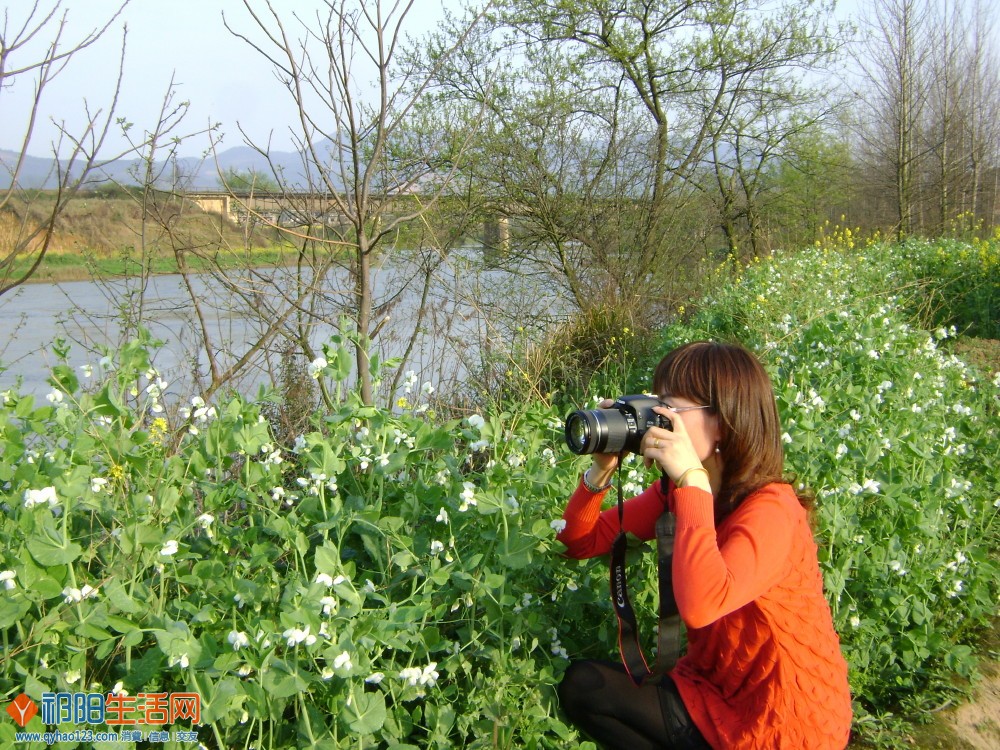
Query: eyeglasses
682	409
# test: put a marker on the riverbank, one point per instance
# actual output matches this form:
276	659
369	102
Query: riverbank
104	236
59	267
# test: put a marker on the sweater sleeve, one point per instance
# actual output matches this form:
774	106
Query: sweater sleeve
713	578
589	532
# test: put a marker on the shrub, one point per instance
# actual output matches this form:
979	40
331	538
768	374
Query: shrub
898	438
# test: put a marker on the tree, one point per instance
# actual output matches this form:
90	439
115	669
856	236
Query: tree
763	108
960	136
928	123
247	181
370	168
76	151
892	61
609	119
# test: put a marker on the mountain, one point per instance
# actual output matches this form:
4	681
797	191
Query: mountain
193	173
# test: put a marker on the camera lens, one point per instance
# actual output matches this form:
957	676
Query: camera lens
579	432
595	431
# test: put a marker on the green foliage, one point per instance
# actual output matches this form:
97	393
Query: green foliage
898	439
390	578
963	288
597	353
383	580
248	181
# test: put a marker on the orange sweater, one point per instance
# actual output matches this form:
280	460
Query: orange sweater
763	667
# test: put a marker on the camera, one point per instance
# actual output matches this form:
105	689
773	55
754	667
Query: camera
614	430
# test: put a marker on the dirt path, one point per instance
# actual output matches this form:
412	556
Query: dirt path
978	722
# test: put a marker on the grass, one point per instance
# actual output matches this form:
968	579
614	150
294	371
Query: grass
99	236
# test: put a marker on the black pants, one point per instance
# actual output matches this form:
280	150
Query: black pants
600	698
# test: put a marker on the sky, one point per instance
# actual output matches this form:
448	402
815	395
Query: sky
224	79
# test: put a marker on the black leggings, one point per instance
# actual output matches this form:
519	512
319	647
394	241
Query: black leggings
600	698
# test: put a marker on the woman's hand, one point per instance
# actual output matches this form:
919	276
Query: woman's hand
602	465
671	450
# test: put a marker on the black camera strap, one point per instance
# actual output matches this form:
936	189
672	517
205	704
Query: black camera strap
669	635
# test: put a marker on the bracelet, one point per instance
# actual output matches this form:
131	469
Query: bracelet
680	480
593	487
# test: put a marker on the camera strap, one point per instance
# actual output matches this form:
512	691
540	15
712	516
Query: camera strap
669	635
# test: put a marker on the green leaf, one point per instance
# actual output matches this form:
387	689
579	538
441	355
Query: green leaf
366	713
12	611
283	685
46	552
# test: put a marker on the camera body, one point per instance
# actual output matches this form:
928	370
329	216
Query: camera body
617	429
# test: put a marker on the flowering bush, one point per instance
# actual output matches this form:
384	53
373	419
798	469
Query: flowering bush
390	578
385	577
898	439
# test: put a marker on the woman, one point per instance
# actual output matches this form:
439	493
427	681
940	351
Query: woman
763	667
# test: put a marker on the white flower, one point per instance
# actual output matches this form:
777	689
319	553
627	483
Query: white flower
7	579
238	639
841	450
55	397
72	676
479	446
786	438
169	548
317	366
375	678
330	605
97	484
73	595
87	371
855	621
244	670
295	636
871	486
326	673
442	516
436	547
88	592
343	661
181	660
324	579
558	525
468	496
277	493
118	689
37	497
476	422
416	676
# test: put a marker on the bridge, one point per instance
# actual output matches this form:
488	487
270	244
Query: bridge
296	209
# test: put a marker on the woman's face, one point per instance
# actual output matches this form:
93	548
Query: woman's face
702	425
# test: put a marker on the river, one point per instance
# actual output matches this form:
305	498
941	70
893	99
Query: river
470	312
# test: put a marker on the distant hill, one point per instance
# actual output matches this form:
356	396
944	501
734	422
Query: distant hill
193	173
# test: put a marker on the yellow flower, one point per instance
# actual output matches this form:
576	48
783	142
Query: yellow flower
158	430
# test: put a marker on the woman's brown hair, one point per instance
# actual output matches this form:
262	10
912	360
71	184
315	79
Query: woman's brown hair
731	380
